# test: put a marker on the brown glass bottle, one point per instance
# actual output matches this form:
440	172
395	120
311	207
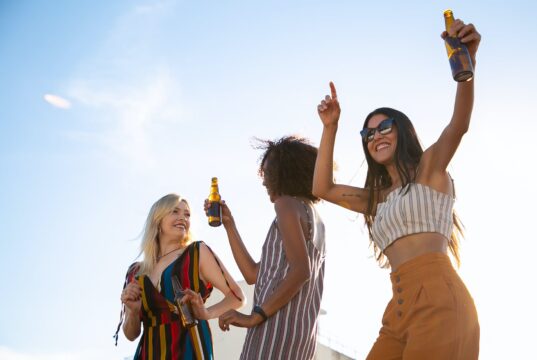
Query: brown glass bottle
214	212
184	309
462	68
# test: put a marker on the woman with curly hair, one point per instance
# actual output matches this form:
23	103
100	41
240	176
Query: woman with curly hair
289	277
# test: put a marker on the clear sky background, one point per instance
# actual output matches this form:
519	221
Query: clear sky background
163	95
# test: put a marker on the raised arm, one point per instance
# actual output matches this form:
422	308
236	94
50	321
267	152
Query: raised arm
445	147
244	260
349	197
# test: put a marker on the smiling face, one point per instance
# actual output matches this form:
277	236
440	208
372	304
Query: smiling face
382	147
176	223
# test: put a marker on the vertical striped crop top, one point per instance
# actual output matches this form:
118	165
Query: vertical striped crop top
416	209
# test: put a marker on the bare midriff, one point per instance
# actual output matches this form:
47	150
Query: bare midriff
411	246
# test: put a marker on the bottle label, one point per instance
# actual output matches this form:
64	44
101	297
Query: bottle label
214	209
459	59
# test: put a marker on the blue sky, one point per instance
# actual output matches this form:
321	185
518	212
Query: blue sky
163	95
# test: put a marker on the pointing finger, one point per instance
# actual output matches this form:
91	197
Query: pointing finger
333	90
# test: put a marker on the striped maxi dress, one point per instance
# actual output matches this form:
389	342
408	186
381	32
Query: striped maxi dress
164	337
291	333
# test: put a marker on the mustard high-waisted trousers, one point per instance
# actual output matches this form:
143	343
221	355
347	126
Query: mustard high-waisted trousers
430	316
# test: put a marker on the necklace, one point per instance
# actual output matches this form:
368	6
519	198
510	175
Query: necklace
168	253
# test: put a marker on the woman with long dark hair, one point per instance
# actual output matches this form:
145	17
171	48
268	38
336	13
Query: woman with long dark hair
407	202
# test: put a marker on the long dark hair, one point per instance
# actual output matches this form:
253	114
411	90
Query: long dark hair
407	158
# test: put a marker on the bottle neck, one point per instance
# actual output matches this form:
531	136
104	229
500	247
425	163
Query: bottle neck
448	19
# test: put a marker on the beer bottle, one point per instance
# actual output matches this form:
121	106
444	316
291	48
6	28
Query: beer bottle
186	314
184	309
215	210
462	68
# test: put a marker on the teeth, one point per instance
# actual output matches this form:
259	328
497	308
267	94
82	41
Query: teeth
382	146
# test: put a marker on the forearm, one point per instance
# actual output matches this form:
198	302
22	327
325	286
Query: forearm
288	288
245	262
464	103
132	325
229	302
323	177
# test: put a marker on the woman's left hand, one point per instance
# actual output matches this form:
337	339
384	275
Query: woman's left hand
235	318
468	35
198	307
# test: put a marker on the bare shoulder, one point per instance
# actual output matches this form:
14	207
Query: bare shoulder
285	203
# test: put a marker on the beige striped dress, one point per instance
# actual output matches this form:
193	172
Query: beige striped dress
291	332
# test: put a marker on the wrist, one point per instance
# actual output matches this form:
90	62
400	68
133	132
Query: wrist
331	126
259	313
229	222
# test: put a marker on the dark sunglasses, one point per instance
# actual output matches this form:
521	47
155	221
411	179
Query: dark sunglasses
384	128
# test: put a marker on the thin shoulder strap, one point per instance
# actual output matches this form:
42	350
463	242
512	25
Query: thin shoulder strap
224	275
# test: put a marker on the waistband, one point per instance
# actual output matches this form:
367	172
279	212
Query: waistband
422	267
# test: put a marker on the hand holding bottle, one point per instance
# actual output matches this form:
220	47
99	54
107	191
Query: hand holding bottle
214	210
226	213
461	42
467	34
196	302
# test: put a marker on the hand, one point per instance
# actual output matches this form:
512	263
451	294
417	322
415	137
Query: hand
131	296
329	109
467	34
227	218
195	300
233	317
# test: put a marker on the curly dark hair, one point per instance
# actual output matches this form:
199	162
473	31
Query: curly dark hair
290	166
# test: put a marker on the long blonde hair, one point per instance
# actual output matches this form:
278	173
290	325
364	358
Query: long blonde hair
150	245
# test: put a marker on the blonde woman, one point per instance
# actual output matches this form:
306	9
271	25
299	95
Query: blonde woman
148	294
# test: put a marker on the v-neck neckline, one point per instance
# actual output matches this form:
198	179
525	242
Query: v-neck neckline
166	268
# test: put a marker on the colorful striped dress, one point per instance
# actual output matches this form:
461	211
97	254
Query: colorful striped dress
291	333
164	336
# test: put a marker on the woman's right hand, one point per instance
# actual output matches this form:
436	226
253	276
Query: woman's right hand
131	296
227	218
329	109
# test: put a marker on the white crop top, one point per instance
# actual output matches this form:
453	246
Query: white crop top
420	209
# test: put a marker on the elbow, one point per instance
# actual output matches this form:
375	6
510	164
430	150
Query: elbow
131	336
243	300
239	297
317	191
303	274
463	128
